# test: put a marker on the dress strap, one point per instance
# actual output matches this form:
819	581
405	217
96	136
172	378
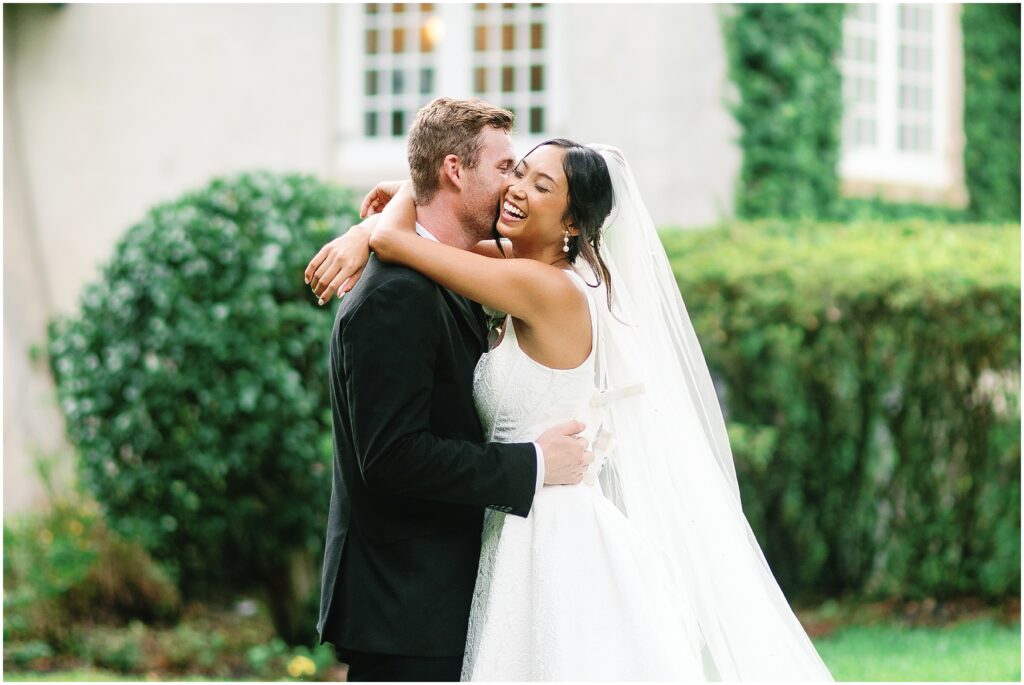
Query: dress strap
590	293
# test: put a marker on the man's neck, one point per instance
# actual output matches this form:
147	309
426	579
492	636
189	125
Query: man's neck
443	225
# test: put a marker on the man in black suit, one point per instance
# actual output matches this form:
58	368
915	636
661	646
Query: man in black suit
412	474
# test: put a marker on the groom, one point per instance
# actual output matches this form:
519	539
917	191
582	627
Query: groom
412	474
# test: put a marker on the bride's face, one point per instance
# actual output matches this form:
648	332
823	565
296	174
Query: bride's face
535	199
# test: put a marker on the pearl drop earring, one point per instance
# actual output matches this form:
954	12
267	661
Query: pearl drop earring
565	246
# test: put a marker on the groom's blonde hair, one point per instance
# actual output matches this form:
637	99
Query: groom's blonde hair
449	126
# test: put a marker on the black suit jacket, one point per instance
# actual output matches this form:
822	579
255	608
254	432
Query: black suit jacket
412	474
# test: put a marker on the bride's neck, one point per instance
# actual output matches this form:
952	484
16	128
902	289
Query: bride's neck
549	254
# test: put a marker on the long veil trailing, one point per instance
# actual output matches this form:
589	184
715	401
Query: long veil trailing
671	468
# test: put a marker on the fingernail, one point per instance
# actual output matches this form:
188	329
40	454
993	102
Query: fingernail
320	301
306	279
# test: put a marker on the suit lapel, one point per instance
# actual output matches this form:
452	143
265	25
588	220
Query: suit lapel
471	314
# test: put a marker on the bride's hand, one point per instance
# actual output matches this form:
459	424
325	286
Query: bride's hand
377	199
338	265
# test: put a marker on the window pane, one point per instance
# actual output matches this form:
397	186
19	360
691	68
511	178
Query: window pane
426	7
397	41
508	79
398	7
371	82
372	42
536	78
429	33
426	81
370	125
536	36
372	8
480	80
508	37
397	123
536	120
480	39
398	82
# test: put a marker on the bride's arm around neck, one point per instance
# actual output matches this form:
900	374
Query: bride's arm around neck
529	290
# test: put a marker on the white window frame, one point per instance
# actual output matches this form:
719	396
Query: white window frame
885	162
363	160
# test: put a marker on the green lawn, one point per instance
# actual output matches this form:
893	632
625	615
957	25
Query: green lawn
970	650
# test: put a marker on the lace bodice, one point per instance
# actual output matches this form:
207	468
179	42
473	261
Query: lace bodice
518	398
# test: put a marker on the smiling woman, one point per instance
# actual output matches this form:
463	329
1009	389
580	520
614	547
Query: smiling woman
544	304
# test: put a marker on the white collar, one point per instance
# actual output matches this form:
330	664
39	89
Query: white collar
425	233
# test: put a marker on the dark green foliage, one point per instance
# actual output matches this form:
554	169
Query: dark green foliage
65	566
194	382
991	39
783	59
872	374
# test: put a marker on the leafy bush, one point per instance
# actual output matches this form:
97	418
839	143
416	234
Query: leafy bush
26	654
275	658
118	649
187	647
783	60
991	36
209	642
65	566
194	383
872	376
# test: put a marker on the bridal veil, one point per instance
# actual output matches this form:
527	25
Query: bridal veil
671	469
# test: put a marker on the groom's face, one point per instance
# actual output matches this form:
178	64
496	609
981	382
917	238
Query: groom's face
482	190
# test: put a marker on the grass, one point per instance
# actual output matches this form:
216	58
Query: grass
974	650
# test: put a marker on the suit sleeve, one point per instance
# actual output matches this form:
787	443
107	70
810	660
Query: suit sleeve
389	345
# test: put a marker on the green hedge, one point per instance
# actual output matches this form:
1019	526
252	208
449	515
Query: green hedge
194	383
872	374
991	35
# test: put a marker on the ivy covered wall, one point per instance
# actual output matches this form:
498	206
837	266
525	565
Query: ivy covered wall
992	110
783	59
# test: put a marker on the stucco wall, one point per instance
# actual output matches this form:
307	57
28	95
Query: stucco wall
109	109
651	79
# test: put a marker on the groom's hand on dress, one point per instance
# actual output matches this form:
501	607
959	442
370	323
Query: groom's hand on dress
566	457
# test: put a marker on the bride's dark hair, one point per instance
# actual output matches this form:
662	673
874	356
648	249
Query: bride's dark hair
590	203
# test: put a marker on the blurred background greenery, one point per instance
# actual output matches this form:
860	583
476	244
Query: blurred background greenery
867	355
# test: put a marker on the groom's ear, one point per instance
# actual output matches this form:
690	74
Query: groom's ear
451	169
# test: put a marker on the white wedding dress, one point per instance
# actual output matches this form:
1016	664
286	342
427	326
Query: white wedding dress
574	591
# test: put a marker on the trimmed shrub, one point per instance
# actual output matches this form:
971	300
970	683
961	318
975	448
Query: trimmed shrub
194	383
872	376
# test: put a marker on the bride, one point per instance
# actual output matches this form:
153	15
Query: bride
648	569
